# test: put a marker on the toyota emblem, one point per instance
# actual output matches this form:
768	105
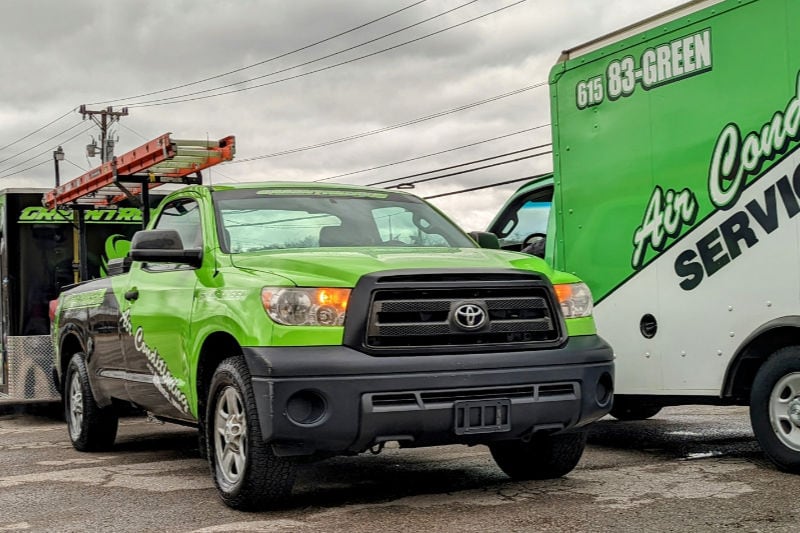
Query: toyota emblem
469	316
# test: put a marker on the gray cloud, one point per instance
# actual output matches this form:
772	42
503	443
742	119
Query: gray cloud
58	55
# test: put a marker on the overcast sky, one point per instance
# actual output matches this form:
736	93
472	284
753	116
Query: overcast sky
60	54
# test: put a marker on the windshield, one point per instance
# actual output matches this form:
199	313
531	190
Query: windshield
274	219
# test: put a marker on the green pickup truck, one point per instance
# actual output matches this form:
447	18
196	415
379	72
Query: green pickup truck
290	321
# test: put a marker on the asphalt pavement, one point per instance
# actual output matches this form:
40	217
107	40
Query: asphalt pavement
688	469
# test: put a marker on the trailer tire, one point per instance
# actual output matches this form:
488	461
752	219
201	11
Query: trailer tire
624	409
247	474
91	428
542	457
775	408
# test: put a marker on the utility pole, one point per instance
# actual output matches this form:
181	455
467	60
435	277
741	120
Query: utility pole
106	118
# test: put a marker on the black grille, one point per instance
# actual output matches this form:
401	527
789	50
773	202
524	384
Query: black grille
561	389
447	396
402	399
424	317
389	401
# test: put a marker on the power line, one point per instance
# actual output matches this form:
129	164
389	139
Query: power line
433	154
269	155
412	183
25	169
40	154
166	100
36	146
132	131
75	165
160	102
392	127
490	186
216	171
34	132
41	143
306	47
456	166
394	163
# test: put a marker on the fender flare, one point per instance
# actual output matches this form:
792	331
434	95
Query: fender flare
743	351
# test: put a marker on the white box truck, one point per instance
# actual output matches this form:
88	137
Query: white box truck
675	195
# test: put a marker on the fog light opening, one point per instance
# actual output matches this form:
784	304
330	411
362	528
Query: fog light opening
306	408
605	390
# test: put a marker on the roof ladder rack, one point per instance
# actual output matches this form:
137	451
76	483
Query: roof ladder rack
162	160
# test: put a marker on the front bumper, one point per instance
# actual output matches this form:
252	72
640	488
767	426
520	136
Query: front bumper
333	399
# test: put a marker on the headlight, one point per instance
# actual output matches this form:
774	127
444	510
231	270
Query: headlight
305	307
575	299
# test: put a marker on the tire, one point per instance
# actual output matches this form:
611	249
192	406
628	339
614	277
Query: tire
543	457
91	428
202	444
775	408
624	409
248	476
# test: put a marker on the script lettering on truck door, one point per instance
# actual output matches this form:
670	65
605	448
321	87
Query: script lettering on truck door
156	323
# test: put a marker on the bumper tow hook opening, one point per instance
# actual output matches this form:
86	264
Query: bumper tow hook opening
377	448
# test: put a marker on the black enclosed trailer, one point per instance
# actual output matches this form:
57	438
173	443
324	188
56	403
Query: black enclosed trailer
38	257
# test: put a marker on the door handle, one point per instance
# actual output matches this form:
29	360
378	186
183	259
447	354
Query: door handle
132	295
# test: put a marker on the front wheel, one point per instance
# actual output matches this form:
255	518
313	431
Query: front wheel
91	428
248	476
775	408
543	457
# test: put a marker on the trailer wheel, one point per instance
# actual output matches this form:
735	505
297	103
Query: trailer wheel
775	408
624	409
91	428
543	457
248	476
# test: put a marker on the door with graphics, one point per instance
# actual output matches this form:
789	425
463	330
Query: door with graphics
156	321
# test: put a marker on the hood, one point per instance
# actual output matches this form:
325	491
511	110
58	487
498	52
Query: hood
342	267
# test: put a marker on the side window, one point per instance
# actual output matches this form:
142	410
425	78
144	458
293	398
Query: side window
531	218
528	216
184	217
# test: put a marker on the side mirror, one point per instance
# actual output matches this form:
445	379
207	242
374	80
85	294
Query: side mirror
163	246
485	239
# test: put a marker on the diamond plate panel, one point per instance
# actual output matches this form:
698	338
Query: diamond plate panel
30	363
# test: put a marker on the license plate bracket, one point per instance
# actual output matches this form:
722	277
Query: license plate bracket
473	417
